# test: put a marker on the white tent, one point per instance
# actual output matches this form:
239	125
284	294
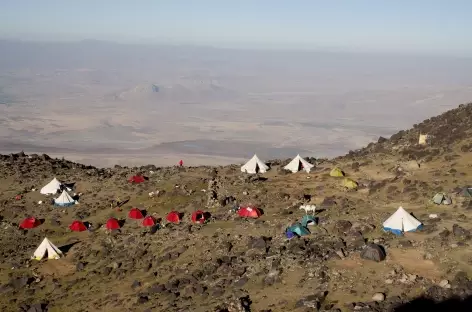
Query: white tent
298	164
254	165
400	222
47	247
64	200
52	187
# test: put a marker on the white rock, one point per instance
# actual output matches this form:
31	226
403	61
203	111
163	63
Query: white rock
443	283
388	281
412	277
433	216
378	297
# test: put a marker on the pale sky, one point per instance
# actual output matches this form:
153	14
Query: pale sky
432	26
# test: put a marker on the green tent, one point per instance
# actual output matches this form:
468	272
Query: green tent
336	172
441	198
349	183
466	192
298	229
307	219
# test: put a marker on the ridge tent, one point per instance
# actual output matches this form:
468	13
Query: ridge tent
254	165
249	212
47	247
336	172
64	200
30	223
298	164
52	187
349	183
136	179
112	224
441	198
77	226
400	222
173	217
198	217
298	229
149	221
135	213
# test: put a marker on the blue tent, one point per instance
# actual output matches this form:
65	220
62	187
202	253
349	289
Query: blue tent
298	229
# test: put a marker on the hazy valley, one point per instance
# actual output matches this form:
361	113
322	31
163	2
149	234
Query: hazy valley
104	103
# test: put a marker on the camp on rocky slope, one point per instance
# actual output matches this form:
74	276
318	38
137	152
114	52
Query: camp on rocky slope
195	245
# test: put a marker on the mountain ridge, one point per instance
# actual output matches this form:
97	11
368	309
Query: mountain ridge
236	264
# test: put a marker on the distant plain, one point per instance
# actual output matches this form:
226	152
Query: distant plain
105	103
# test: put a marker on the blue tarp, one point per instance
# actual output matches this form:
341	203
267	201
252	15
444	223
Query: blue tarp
399	231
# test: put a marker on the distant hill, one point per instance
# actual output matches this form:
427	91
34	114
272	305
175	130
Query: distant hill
193	90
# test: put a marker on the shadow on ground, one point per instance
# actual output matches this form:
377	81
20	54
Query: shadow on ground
455	304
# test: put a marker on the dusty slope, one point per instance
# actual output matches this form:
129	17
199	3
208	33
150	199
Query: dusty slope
229	262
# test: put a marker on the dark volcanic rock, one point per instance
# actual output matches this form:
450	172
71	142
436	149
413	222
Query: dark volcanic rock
342	226
459	231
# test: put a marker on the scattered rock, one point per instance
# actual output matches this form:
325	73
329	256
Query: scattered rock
378	297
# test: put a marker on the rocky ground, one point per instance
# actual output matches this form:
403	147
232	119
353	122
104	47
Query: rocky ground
234	264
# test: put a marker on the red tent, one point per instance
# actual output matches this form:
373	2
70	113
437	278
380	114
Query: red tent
173	217
249	212
30	223
136	179
135	213
198	217
149	221
112	224
181	163
77	226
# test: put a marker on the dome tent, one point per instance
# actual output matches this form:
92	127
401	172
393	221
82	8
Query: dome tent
249	212
441	198
373	252
137	179
77	226
349	183
173	217
30	223
400	222
199	216
135	213
308	220
336	172
149	221
298	229
112	224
